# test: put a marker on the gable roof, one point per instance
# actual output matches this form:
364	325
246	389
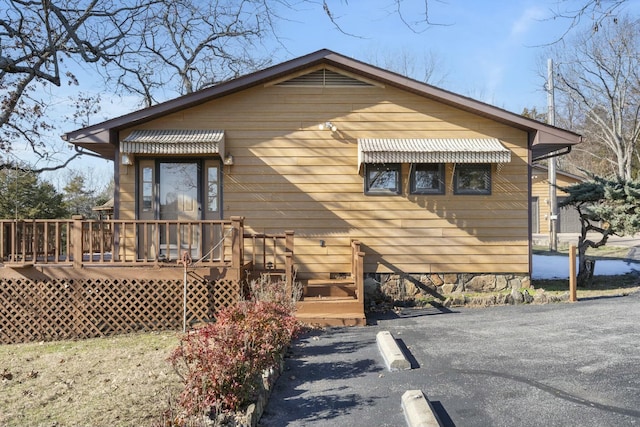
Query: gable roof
101	138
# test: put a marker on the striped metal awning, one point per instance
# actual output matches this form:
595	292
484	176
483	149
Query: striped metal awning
432	150
174	141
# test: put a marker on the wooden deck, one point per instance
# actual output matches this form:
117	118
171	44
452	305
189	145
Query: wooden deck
77	246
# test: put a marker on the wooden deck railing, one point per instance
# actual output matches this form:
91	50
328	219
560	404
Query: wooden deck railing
120	242
80	242
269	251
271	254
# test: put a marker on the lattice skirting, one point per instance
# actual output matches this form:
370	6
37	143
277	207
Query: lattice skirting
71	309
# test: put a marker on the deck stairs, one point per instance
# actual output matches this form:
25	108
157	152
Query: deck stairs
321	301
330	302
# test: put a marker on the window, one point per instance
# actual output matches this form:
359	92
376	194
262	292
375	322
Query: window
427	178
382	179
472	178
212	189
147	189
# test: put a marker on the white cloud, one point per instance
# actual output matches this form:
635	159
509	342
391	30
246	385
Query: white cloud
529	17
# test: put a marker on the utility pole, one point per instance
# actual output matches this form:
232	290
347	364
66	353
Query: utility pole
553	201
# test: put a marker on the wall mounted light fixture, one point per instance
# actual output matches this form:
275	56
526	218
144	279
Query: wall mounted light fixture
328	125
228	160
126	159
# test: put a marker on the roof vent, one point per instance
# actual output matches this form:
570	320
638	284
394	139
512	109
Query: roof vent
324	78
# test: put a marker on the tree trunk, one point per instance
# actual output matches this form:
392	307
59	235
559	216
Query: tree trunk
585	265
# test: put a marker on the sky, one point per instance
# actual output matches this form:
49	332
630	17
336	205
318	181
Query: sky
489	50
484	49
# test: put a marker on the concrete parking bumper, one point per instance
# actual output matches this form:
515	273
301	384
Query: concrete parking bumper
393	356
418	410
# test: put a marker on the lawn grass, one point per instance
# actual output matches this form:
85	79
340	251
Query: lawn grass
116	381
602	286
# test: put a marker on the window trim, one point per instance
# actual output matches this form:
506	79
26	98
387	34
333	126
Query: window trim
441	177
467	191
368	167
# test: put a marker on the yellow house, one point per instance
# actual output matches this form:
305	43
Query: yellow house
336	150
568	219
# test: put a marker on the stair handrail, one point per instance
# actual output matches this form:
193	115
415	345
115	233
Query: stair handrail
357	269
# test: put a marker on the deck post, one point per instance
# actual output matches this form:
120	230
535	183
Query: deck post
357	270
237	243
288	241
288	265
355	248
360	277
76	240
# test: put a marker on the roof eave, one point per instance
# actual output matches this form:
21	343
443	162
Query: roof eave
547	140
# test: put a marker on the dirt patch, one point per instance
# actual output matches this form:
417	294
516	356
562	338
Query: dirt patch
117	381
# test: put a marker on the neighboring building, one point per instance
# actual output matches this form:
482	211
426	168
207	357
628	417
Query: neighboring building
568	219
104	211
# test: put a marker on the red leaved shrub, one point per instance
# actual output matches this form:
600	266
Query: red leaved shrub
222	363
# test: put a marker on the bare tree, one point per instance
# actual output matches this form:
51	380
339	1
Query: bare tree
405	10
597	12
40	41
427	67
186	45
599	81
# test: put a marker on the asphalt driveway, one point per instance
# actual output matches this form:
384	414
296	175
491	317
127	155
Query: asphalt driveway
554	365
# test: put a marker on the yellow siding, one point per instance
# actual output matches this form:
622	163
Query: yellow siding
127	187
289	175
540	189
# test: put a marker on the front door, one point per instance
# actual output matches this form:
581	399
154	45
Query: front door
179	191
179	204
181	194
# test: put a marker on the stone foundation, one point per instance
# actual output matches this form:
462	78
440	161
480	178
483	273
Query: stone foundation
406	288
